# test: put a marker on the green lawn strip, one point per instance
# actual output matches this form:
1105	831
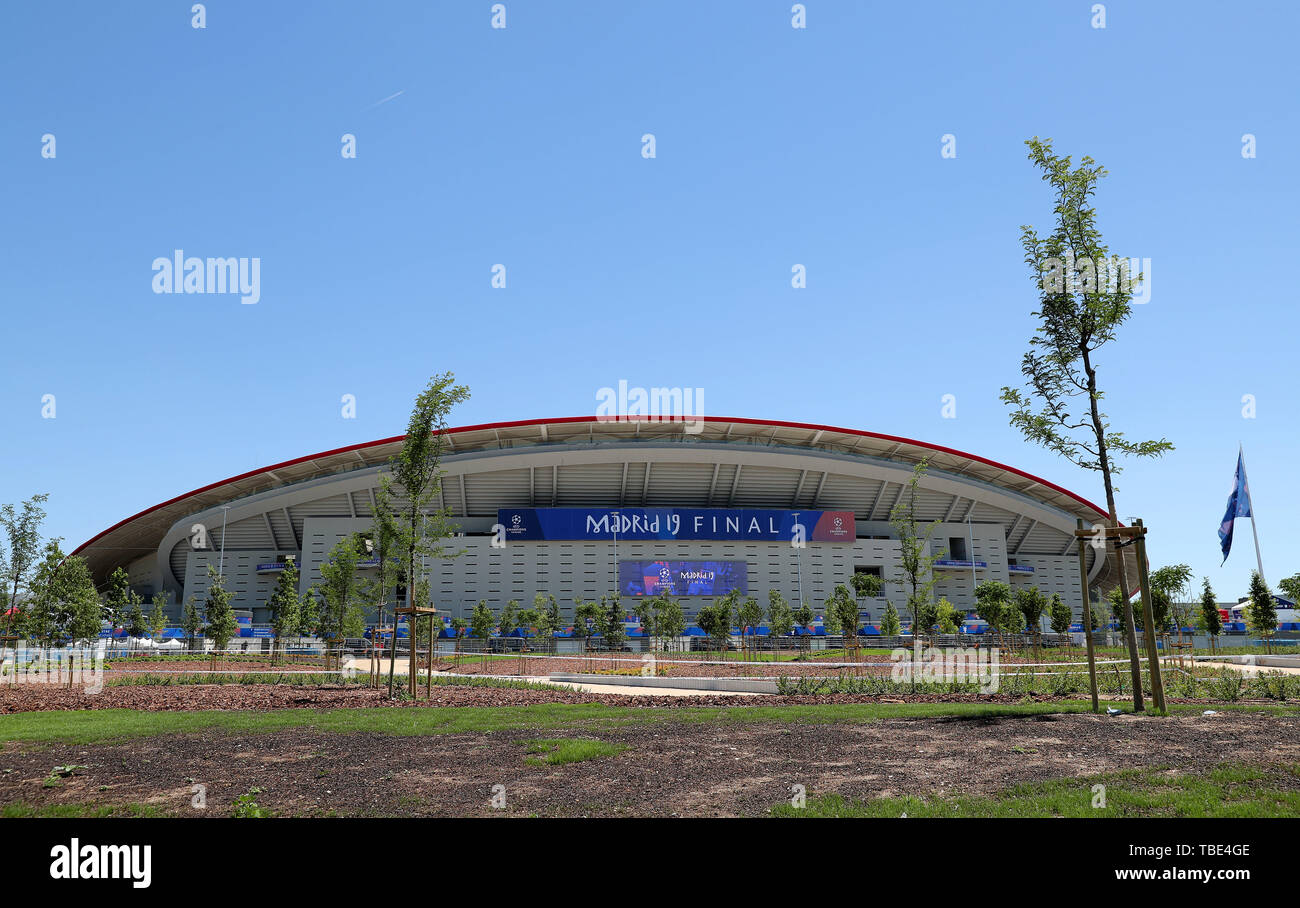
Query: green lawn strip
557	751
22	809
91	726
1229	790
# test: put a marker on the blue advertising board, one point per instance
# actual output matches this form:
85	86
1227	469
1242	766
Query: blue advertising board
681	578
748	524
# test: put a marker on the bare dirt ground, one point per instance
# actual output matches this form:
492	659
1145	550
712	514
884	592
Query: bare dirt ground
667	769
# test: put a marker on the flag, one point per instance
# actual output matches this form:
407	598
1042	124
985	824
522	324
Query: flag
1238	506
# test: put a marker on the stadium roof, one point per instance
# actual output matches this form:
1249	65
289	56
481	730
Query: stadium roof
141	533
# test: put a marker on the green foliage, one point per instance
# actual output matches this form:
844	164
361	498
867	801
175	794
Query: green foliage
993	603
750	614
1209	620
890	626
191	622
64	606
19	556
780	617
158	616
803	614
1290	587
842	612
586	618
340	611
669	619
508	620
219	618
947	617
715	620
246	807
285	603
1078	314
866	586
417	526
1031	603
481	621
1261	613
611	622
916	564
1060	615
119	599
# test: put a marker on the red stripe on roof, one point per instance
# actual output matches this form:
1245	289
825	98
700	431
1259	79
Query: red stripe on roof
518	423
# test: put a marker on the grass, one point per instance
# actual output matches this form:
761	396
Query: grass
94	726
557	751
22	809
1228	790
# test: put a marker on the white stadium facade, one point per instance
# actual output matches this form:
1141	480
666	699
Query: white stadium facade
701	507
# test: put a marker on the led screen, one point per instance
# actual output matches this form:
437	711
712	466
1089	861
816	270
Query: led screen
681	578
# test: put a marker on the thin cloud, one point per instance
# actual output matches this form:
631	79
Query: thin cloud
386	100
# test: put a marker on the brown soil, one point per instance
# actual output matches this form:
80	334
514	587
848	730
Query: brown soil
668	769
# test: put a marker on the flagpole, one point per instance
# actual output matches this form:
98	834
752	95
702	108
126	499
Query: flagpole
1259	560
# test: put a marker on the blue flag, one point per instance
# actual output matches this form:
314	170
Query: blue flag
1238	506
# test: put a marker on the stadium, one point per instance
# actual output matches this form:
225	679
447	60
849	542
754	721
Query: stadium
587	505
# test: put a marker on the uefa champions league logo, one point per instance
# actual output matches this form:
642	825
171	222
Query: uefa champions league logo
665	576
516	520
839	522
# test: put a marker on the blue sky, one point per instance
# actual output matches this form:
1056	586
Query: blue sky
522	146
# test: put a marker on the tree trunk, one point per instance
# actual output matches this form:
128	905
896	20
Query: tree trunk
1103	459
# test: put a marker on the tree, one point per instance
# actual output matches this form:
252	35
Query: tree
780	617
64	605
865	586
136	623
382	542
730	605
715	620
418	527
548	621
750	616
482	622
669	619
219	618
611	622
340	614
158	617
1261	613
1079	313
947	617
508	620
1210	620
993	604
23	537
1290	587
842	615
1060	615
586	620
285	606
1032	603
118	598
916	564
191	622
890	626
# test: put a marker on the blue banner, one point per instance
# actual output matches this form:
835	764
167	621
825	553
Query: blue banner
748	524
1238	506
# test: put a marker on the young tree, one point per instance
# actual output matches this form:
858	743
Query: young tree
1261	613
715	620
1060	615
158	617
64	606
1032	604
669	619
418	526
916	564
993	604
23	537
1290	587
842	615
1209	619
548	622
340	614
285	606
730	604
1079	313
382	542
136	623
865	586
482	622
611	622
220	624
191	622
749	615
890	626
508	621
780	617
947	617
586	620
119	598
554	620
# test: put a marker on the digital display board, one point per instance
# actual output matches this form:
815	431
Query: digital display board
681	578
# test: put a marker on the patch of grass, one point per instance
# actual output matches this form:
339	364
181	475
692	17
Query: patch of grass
22	809
93	726
1228	790
558	751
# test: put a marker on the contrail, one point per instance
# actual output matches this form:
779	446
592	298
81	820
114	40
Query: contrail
386	100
